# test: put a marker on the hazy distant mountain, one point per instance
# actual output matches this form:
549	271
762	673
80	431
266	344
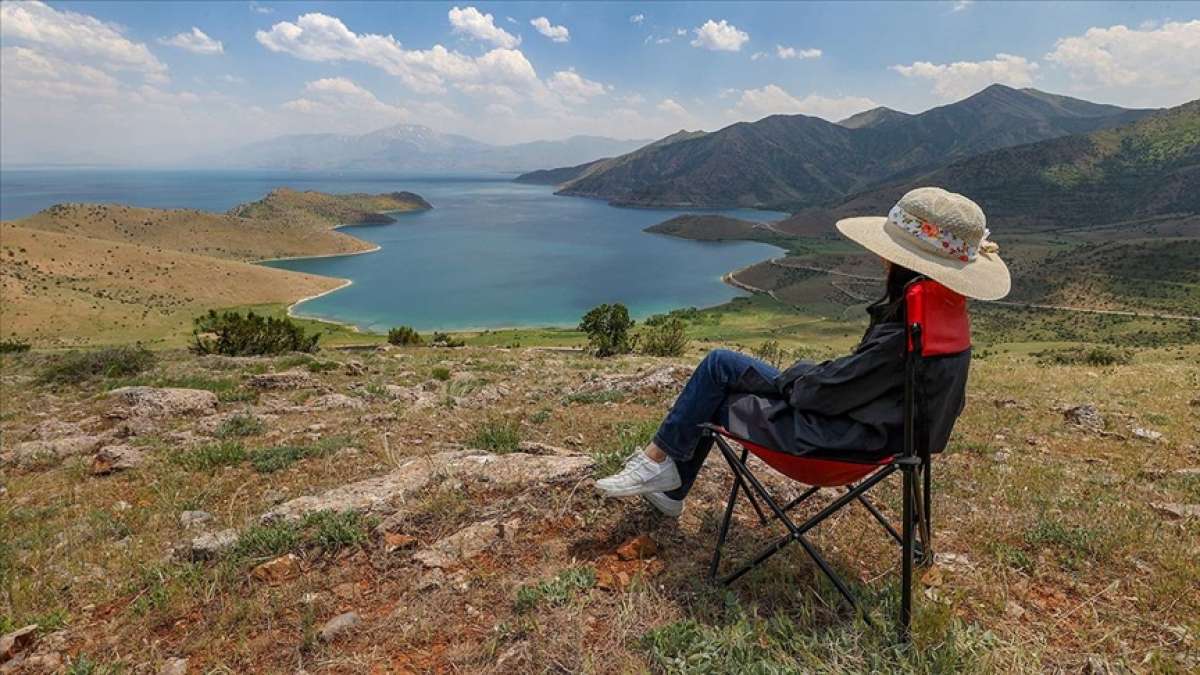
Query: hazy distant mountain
793	161
1143	170
408	147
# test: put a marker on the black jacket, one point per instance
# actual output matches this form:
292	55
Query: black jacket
853	406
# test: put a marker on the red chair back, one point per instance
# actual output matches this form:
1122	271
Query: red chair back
942	314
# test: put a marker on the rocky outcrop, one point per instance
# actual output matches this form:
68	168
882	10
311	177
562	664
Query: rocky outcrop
666	378
162	402
336	402
460	546
55	450
382	493
288	379
113	458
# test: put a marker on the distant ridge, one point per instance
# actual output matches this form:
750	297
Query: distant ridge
414	148
796	161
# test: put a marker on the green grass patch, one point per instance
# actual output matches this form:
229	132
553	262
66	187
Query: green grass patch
440	373
497	436
276	458
78	367
626	439
557	591
328	530
211	456
240	426
610	396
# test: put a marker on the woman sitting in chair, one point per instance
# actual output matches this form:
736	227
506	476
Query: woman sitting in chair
850	405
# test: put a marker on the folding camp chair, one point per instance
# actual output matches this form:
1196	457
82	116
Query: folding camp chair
937	325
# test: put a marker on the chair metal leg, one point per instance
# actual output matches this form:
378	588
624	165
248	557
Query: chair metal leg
880	517
724	531
906	547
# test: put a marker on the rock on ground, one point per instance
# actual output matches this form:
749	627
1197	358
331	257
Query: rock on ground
164	402
279	569
190	519
113	458
1177	510
659	379
379	494
339	626
1085	417
336	402
32	452
175	666
288	379
212	544
17	641
460	546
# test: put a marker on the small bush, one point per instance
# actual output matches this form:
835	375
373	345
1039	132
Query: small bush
444	340
607	328
13	346
1099	356
267	541
557	591
82	366
276	458
441	374
771	352
232	334
665	338
211	456
334	531
240	425
497	436
403	336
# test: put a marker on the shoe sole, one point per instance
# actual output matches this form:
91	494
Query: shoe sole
639	490
670	508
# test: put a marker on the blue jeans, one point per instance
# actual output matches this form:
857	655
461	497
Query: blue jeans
704	399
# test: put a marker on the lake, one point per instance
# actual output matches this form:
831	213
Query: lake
490	254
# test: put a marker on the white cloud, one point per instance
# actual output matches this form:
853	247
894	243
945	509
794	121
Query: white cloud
498	110
773	99
1147	66
320	37
555	33
662	40
332	96
573	87
680	32
27	73
195	41
637	18
482	27
258	8
758	55
793	53
960	5
233	79
962	78
720	36
670	107
77	35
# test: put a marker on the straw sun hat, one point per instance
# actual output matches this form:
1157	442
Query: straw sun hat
940	234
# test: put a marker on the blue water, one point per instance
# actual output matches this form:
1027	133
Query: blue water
491	253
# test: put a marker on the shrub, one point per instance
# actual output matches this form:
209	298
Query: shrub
333	531
607	328
212	456
1098	356
403	336
13	346
234	334
240	425
771	352
444	340
664	338
497	436
441	373
114	362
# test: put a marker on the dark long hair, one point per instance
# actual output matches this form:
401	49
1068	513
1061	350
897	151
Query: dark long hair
891	306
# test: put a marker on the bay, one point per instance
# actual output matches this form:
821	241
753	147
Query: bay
490	254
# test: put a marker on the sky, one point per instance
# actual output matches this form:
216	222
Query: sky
131	83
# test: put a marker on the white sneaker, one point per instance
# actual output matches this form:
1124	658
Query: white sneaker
665	505
640	476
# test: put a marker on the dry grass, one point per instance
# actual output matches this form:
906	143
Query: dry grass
1058	560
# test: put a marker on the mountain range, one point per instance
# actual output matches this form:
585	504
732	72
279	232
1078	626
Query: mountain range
1148	169
414	148
795	161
